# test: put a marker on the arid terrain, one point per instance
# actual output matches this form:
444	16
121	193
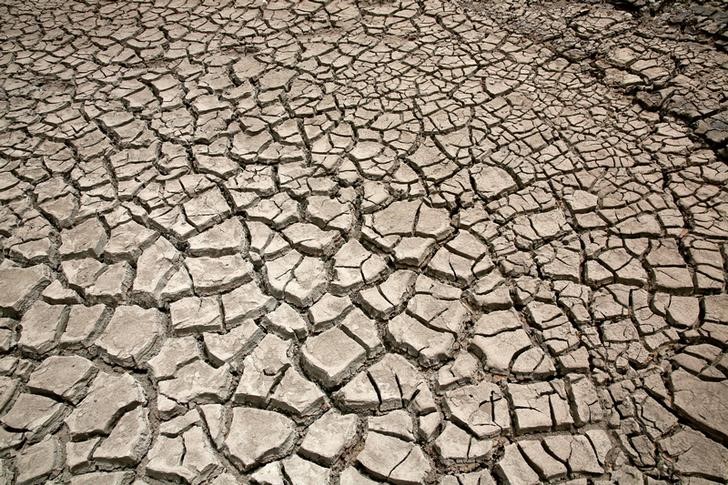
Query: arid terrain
363	242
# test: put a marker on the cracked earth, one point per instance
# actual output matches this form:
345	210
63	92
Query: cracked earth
359	242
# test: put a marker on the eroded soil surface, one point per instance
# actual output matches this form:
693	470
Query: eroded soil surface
359	242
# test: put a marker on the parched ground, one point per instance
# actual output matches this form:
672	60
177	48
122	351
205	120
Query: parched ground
359	242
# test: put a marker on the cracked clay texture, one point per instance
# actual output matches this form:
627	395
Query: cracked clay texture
359	242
